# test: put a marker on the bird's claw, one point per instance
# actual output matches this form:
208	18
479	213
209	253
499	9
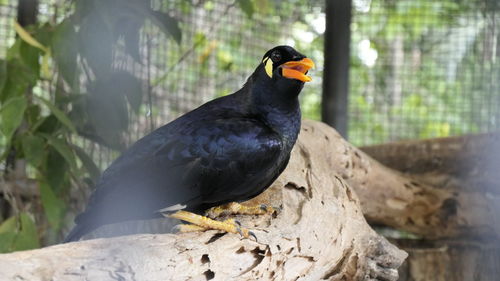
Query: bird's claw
250	233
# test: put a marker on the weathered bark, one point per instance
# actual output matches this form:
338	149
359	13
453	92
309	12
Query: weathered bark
429	204
319	234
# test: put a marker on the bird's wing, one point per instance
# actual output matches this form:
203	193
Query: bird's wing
223	158
195	164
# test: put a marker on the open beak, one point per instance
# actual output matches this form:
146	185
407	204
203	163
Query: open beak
297	69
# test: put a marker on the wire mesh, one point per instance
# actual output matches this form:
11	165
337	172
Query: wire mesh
423	69
419	69
221	47
8	11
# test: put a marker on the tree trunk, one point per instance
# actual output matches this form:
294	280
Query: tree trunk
319	234
459	199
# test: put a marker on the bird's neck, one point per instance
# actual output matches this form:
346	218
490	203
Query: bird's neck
279	110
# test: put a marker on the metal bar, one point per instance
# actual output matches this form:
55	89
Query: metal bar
334	107
27	11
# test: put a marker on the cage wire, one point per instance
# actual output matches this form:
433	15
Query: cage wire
423	69
220	49
419	69
8	12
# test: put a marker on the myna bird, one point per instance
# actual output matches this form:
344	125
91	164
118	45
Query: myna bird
227	150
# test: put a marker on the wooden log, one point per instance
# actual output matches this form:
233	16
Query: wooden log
319	234
430	205
466	163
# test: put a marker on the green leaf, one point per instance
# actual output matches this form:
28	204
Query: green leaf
27	237
61	116
63	149
88	163
34	149
65	47
30	57
55	170
45	67
54	207
167	24
11	115
247	7
28	38
48	125
21	78
18	233
9	225
3	75
8	233
7	241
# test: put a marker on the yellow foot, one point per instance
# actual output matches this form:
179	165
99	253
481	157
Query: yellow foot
200	223
234	208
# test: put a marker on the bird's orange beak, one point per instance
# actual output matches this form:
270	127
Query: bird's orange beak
297	69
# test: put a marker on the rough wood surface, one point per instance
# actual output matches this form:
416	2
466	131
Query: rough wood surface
319	234
430	204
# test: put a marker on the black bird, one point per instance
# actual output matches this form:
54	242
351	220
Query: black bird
227	150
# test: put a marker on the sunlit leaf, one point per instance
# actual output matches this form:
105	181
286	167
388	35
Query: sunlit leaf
18	233
28	38
11	115
9	225
45	67
61	116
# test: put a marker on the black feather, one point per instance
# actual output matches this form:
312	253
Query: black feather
229	149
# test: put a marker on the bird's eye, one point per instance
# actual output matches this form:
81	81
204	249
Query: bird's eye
276	56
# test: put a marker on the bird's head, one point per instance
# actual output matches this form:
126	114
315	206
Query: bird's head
281	74
284	62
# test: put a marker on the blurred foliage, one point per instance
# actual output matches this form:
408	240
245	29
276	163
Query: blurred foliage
37	127
423	69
